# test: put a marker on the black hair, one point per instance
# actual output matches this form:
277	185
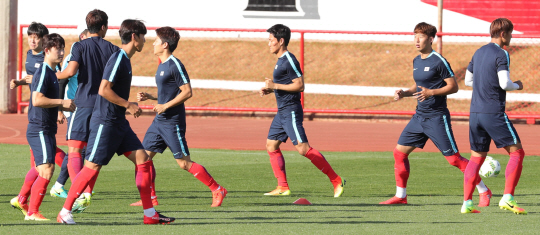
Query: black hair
129	27
170	36
95	19
53	40
281	31
38	29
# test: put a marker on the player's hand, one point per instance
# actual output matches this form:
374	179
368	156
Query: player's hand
134	109
269	84
68	105
398	94
61	117
28	79
160	108
520	84
263	91
423	94
142	96
13	83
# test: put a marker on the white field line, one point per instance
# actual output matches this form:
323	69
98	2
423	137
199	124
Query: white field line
144	81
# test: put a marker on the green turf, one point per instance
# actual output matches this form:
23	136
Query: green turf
435	197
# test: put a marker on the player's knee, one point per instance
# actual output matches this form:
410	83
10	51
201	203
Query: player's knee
302	149
270	147
184	164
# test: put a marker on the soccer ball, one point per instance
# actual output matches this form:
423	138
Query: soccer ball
490	168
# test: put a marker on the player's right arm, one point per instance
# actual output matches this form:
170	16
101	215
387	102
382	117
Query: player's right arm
142	96
398	94
73	64
106	91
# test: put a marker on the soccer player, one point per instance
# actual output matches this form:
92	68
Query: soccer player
34	60
434	80
489	75
169	126
287	85
42	116
88	59
110	132
67	91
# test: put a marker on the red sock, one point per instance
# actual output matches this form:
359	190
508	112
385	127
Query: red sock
143	180
458	161
278	166
38	193
320	162
402	168
75	164
471	178
513	171
91	184
202	175
59	157
29	180
153	185
79	184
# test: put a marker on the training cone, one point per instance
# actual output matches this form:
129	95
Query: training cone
302	201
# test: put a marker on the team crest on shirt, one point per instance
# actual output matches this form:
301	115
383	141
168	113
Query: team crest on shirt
162	72
36	65
426	69
275	67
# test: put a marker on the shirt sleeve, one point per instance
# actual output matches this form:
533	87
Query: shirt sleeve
111	71
40	80
445	70
293	67
471	65
76	53
180	75
502	61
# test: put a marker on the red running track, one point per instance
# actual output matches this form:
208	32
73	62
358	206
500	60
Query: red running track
250	134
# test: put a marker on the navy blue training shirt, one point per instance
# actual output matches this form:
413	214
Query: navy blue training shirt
287	69
430	73
33	62
43	119
488	96
92	54
117	71
170	75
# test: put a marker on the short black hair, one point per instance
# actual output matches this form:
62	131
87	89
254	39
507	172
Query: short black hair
53	40
95	19
38	29
129	27
170	36
281	31
85	31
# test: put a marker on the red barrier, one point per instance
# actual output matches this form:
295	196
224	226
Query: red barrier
530	117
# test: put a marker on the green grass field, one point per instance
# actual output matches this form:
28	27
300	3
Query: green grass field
435	197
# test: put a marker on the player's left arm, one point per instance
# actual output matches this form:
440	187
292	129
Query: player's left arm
185	94
450	88
106	91
297	85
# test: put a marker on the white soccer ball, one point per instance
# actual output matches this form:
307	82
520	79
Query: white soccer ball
490	168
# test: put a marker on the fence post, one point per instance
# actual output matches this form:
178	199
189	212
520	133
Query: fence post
439	41
19	89
302	65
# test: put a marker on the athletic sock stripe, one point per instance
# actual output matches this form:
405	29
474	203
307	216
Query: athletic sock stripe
180	140
449	135
510	128
292	64
445	63
96	142
71	124
43	146
296	129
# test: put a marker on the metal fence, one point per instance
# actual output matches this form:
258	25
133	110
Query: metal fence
346	72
